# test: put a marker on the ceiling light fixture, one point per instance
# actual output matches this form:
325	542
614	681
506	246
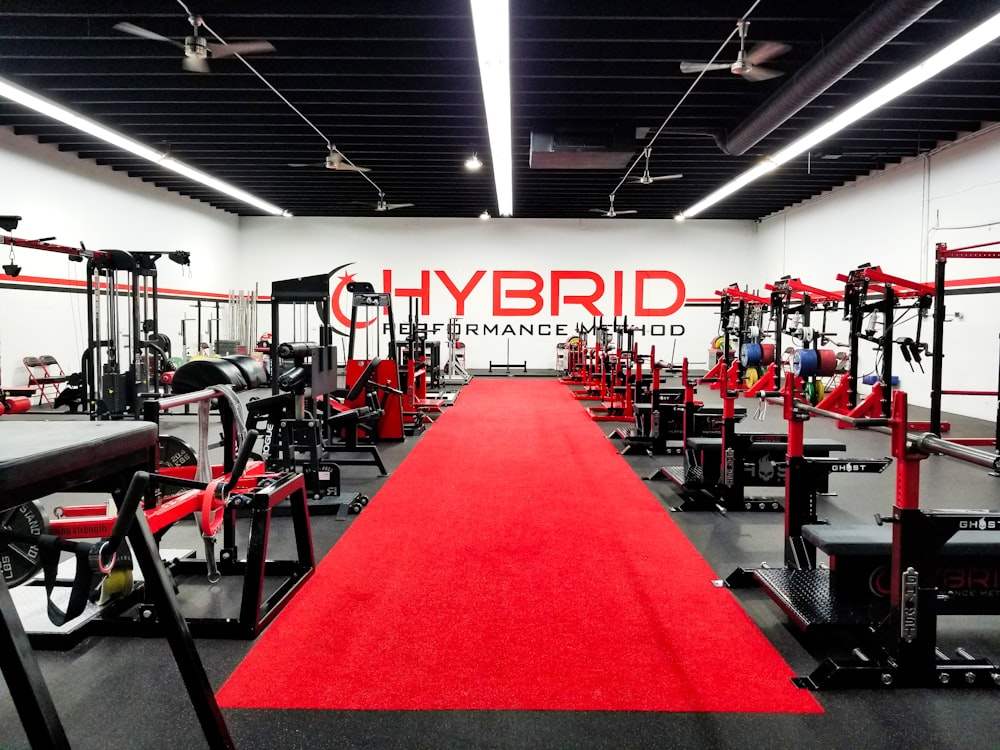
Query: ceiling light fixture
473	164
485	216
49	108
492	25
962	47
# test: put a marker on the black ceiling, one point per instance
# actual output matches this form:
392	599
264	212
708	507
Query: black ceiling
395	85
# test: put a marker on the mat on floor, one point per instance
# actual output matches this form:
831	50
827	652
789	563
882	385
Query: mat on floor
514	561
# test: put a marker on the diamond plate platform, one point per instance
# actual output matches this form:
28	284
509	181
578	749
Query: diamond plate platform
673	473
811	601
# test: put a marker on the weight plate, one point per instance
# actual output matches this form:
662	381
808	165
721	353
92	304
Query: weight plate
21	562
827	362
174	453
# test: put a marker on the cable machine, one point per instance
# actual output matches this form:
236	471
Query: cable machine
114	386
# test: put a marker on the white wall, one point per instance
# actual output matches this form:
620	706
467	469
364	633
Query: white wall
74	200
702	255
894	219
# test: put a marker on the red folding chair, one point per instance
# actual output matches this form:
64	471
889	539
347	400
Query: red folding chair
45	374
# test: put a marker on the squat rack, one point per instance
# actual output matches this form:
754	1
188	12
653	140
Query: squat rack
890	293
942	254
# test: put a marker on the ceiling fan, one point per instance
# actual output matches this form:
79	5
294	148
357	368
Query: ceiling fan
381	205
611	213
197	49
646	179
748	64
335	161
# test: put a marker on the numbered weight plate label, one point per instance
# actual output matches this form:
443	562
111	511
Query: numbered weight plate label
19	561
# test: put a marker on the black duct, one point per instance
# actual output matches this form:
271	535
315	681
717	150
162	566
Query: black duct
868	33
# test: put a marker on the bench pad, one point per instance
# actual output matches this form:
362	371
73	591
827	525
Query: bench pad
874	540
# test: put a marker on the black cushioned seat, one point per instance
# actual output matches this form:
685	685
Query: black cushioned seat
874	540
198	374
45	456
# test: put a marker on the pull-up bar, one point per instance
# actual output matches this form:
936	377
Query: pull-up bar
943	253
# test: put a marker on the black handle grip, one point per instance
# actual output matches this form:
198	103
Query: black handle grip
870	422
241	460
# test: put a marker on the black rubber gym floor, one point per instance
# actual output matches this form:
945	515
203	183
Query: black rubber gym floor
125	692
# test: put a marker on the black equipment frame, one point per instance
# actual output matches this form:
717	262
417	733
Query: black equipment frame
942	255
28	689
904	639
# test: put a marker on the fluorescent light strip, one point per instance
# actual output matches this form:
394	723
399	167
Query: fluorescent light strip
962	47
492	25
49	108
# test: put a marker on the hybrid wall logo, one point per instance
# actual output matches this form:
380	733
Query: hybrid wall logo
524	295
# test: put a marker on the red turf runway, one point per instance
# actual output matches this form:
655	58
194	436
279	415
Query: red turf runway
514	561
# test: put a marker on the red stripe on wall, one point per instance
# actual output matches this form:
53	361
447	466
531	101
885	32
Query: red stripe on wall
48	281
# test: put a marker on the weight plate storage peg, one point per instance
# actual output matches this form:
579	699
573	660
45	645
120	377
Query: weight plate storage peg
21	561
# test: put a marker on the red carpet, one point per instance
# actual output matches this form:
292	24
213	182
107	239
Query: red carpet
514	561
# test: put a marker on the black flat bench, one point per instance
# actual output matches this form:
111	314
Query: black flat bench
860	554
811	446
39	458
876	541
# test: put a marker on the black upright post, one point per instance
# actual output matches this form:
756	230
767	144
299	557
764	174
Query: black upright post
937	356
275	340
778	316
856	315
160	591
888	310
996	437
24	679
